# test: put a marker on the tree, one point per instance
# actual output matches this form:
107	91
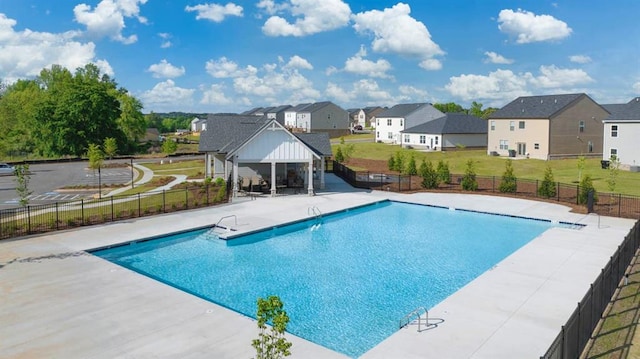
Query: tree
411	166
96	156
347	152
110	147
547	187
131	121
444	175
469	181
391	163
339	156
429	175
614	169
23	176
169	146
581	164
448	107
399	162
476	109
509	183
271	344
586	186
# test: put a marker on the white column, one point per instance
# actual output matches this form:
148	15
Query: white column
322	172
273	179
310	177
235	176
207	164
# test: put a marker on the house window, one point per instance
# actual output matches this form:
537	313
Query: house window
377	122
536	146
512	126
400	122
504	144
388	122
581	126
493	125
590	146
436	140
614	130
407	138
521	125
614	153
423	139
390	135
377	134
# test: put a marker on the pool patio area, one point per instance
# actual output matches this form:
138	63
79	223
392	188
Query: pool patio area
58	301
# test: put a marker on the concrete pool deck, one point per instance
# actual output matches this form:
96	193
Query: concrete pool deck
57	301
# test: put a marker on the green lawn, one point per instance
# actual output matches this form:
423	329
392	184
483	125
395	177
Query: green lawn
564	171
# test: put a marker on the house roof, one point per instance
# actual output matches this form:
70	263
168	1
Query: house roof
451	123
314	106
226	133
253	111
319	142
536	106
278	109
402	110
298	107
625	112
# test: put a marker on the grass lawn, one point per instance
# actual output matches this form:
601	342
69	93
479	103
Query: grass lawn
564	171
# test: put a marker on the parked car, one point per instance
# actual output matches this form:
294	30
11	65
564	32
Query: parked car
6	170
357	127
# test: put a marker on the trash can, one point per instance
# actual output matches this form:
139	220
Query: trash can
604	164
512	153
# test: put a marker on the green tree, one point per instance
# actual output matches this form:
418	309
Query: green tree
169	146
339	155
271	344
23	176
110	147
391	163
614	169
582	161
469	181
411	166
586	186
399	162
95	155
131	121
476	109
547	187
509	183
444	175
347	152
448	107
429	175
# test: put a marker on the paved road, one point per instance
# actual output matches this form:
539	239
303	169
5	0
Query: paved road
47	181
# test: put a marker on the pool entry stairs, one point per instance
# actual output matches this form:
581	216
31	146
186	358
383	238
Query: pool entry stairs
218	229
315	212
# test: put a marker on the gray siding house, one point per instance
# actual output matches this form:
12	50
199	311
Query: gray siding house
452	131
391	122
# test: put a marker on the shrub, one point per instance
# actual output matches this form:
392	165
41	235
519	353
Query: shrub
586	186
469	181
429	175
443	172
339	156
271	344
509	181
547	187
411	166
391	163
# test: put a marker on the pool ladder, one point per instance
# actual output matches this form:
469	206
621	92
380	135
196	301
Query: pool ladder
418	312
314	211
217	225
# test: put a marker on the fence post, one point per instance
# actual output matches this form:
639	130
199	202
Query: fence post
57	217
28	219
619	204
578	194
186	198
111	208
536	194
493	184
139	205
164	202
558	190
207	188
82	211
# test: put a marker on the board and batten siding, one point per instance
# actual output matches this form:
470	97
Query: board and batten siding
278	146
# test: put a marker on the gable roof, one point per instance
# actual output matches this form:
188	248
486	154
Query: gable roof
278	109
629	111
536	106
226	132
298	107
451	123
253	111
318	142
402	110
314	106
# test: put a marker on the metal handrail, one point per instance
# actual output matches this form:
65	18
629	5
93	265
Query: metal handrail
229	216
406	320
314	211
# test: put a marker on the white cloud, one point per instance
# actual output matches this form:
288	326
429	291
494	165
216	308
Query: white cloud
553	77
25	53
166	96
361	66
166	43
502	86
494	58
580	59
224	68
270	7
413	93
528	27
107	19
636	86
215	12
163	69
297	62
395	31
331	70
311	17
215	95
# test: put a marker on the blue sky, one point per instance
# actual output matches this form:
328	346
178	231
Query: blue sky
198	56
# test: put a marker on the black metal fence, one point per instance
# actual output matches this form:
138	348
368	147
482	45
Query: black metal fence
575	334
33	219
607	204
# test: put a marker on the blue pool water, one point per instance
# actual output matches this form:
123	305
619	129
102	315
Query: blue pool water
346	283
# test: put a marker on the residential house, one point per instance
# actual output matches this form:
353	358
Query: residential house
547	127
198	124
277	113
323	117
451	131
239	146
391	122
357	117
621	134
370	115
291	114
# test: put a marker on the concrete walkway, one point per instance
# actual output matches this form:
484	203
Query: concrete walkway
57	301
147	176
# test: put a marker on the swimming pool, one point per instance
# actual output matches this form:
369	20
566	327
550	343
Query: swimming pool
345	283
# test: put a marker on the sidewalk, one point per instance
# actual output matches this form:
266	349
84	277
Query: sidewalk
147	176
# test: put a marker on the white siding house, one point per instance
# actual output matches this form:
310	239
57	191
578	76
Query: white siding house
391	122
621	134
451	131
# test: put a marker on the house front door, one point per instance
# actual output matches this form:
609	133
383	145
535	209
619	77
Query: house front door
522	149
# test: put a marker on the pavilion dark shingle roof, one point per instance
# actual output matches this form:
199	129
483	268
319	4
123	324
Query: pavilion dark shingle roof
536	106
319	142
451	123
226	132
